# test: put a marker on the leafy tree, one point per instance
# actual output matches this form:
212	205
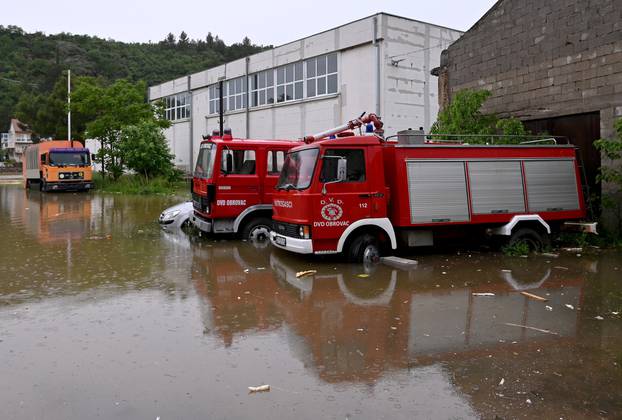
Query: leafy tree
464	116
110	109
611	174
144	149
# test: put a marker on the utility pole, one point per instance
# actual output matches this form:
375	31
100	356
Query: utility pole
69	108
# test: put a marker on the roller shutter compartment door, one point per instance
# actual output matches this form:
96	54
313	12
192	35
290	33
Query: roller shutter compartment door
437	192
496	187
551	185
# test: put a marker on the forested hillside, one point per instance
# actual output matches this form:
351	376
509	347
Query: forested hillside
31	63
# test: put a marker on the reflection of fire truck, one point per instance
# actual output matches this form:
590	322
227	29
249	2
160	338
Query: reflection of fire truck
362	194
233	184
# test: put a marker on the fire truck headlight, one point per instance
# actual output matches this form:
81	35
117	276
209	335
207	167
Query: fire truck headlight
304	232
61	176
81	174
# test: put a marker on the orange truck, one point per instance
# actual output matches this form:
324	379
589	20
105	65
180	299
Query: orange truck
58	165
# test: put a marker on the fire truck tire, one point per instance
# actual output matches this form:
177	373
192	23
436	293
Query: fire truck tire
257	229
534	239
364	248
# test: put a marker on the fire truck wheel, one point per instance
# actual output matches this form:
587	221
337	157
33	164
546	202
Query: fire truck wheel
534	239
364	248
257	229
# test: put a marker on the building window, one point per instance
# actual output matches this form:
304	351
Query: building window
289	82
321	75
214	99
262	88
236	93
177	107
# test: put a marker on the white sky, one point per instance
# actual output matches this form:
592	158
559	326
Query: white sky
264	22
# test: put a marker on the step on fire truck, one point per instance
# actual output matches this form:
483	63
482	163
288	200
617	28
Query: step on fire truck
363	195
233	184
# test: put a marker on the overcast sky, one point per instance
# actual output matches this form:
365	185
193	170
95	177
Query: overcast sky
263	21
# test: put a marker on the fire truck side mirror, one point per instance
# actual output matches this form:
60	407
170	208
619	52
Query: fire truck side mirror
340	176
342	169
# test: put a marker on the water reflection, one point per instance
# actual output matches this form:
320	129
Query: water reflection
217	316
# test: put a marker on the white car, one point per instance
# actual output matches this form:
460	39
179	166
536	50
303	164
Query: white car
177	216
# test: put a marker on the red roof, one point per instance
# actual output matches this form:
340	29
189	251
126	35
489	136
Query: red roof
19	127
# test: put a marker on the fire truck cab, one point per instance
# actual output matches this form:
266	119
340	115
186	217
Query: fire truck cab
363	196
233	184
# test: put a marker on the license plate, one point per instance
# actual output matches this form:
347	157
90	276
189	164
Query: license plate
280	240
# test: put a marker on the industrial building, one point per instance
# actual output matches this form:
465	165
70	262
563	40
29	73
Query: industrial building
379	64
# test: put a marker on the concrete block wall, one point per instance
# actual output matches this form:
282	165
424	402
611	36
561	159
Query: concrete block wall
542	59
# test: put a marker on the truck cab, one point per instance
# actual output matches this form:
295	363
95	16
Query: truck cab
327	190
233	185
58	165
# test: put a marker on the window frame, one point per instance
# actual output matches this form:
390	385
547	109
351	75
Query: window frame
238	150
178	106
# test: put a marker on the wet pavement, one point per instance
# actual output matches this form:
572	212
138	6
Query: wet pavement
105	315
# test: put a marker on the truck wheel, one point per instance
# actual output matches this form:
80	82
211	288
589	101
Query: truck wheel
534	239
257	229
364	249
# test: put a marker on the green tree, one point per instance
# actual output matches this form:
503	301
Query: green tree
464	116
110	109
611	173
144	150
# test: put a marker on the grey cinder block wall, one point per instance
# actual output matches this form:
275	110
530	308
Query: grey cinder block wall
542	60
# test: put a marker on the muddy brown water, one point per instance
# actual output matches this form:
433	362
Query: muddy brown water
105	315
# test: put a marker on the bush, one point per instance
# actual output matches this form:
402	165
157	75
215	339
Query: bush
137	184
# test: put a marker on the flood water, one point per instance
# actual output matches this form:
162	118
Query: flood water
105	315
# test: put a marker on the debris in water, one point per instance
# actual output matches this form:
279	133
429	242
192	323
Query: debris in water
505	270
532	296
509	324
528	401
578	249
363	275
614	313
483	294
399	262
569	306
305	273
261	268
393	328
559	267
549	255
502	381
360	329
246	270
598	317
260	388
549	308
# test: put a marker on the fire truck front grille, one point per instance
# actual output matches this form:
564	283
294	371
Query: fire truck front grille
286	229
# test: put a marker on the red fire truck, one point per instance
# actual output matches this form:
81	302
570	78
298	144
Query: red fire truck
362	195
233	184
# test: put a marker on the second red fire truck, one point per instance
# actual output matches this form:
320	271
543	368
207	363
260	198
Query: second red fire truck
362	195
233	184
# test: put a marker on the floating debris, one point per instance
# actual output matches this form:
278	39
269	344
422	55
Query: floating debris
362	275
577	249
260	388
569	306
549	308
598	317
501	382
532	296
549	255
483	294
305	273
509	324
559	267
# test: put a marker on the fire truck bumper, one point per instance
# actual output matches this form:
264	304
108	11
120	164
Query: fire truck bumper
300	246
202	225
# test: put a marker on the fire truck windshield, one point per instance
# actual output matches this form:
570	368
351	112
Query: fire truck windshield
69	159
297	170
205	161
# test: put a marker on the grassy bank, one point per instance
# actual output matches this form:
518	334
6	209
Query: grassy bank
134	184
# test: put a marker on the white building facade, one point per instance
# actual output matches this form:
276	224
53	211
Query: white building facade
379	64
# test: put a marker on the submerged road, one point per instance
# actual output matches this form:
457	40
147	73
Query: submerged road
104	314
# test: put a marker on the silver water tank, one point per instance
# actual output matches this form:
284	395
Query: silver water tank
411	136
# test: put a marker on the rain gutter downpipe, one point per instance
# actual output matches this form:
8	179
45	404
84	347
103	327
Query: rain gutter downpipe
191	153
248	59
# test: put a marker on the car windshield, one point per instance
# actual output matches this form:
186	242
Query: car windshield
298	169
205	161
69	159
